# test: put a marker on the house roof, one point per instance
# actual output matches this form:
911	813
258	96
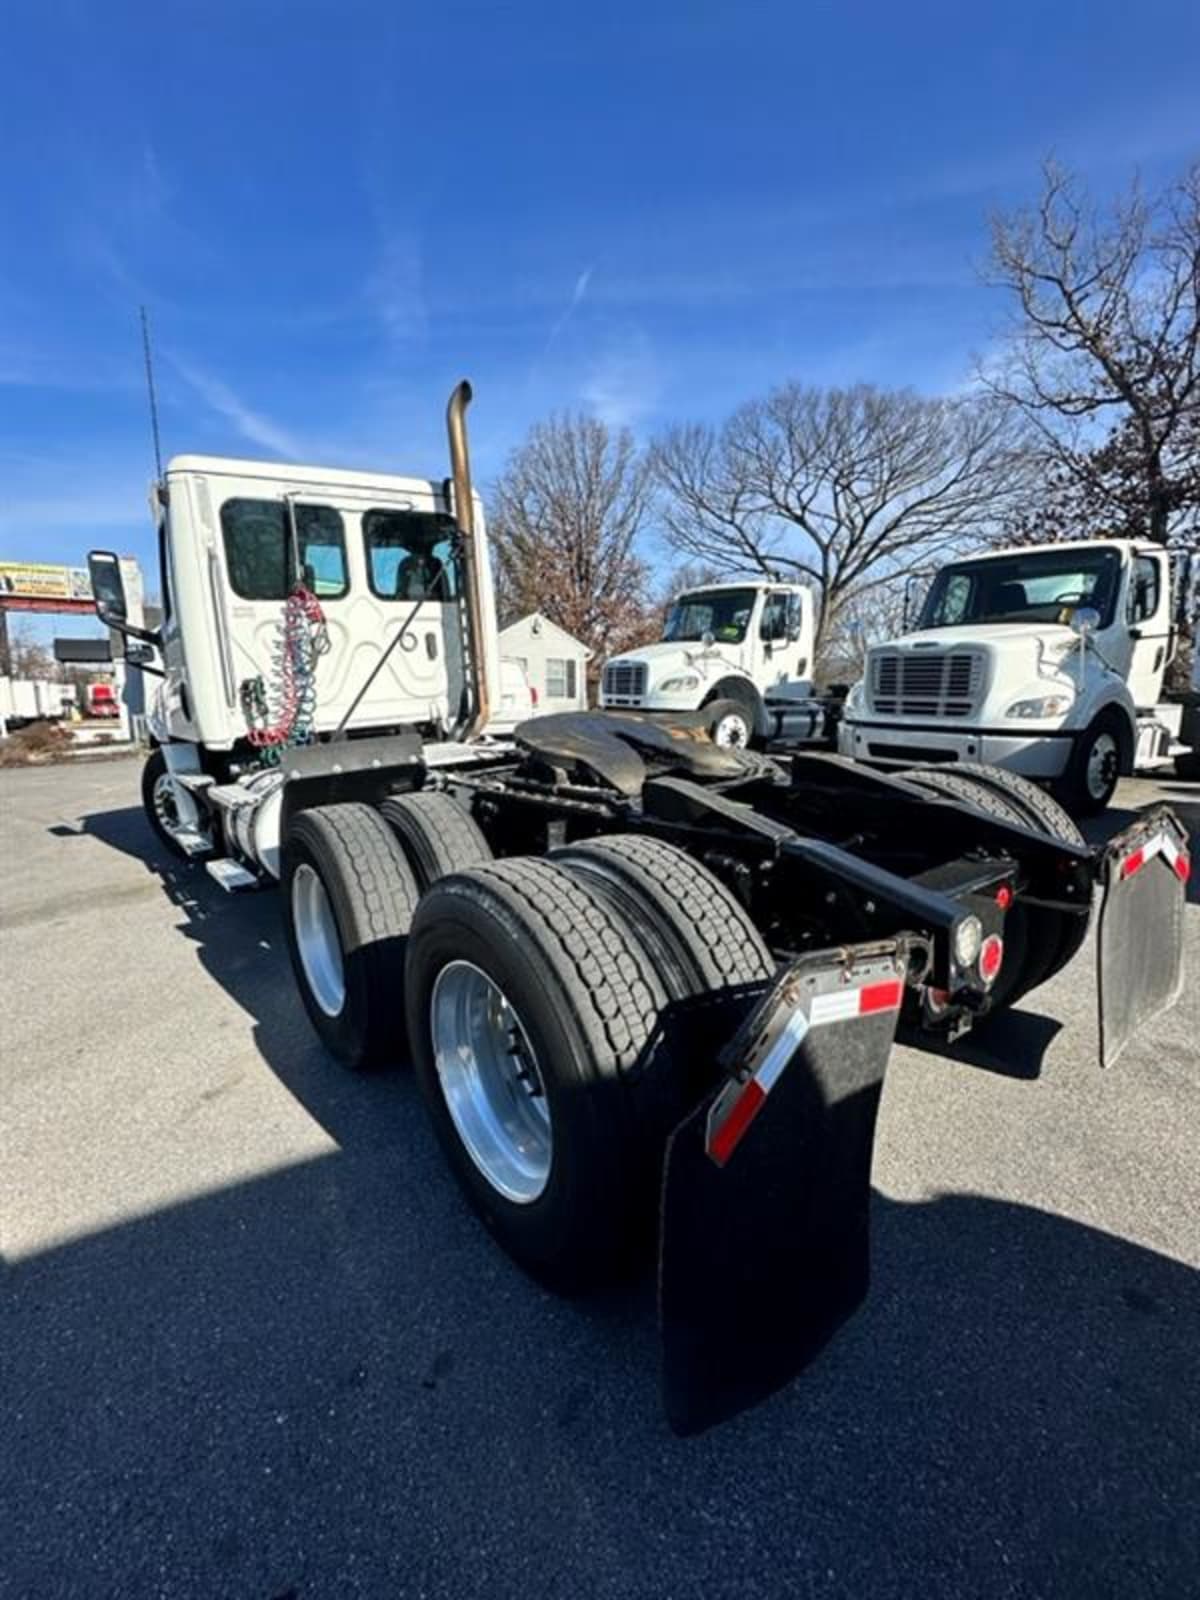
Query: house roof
540	624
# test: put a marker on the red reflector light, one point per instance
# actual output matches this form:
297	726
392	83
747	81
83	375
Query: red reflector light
884	996
724	1140
1183	866
1133	863
991	957
1004	897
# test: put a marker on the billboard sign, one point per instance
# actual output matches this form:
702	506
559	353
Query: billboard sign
24	580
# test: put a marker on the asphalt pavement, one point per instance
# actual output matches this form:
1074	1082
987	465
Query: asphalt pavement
252	1344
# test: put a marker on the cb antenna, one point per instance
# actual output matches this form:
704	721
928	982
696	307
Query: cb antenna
153	395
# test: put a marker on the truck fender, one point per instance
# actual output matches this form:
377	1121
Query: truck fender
1117	702
746	692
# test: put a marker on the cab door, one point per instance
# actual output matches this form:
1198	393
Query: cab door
268	538
782	639
1148	626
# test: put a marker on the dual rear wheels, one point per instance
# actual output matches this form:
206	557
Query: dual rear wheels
530	996
1038	941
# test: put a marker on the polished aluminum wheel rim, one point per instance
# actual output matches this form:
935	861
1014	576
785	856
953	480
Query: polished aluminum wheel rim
1102	764
317	941
165	806
491	1081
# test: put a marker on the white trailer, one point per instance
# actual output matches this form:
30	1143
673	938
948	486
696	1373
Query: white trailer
1046	660
26	700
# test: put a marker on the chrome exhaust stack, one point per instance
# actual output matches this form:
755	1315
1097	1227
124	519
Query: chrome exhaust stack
464	512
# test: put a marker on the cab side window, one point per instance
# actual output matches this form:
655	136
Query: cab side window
410	555
1143	590
258	553
773	626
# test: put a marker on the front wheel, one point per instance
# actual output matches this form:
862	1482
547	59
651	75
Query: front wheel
1092	772
730	725
170	809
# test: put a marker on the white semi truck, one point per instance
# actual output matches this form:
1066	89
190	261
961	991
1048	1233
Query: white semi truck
1047	661
648	986
741	652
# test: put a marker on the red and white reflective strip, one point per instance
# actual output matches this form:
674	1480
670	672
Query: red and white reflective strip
739	1103
1161	844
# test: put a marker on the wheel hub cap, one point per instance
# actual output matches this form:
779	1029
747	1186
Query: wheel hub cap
1102	764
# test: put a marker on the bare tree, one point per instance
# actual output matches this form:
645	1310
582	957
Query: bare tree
29	658
1107	336
844	487
565	518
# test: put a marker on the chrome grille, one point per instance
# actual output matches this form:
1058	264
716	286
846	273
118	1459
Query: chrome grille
926	683
625	682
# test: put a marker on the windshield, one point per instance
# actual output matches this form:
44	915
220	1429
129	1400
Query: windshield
725	613
1043	586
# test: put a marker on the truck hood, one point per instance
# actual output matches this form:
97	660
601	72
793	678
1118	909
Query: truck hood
681	655
995	635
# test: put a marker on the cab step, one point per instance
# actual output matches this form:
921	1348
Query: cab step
231	875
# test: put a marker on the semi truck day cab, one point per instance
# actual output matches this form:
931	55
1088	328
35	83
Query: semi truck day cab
741	652
1047	661
648	984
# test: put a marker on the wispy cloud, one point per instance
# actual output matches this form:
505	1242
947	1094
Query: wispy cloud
252	425
577	293
624	383
395	288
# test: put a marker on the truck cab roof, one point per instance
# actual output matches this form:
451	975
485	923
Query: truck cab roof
329	478
1056	544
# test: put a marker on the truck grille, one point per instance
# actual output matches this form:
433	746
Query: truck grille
624	683
926	683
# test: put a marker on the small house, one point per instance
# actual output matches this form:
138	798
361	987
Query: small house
554	662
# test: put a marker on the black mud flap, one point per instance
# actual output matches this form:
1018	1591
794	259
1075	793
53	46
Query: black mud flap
764	1232
1144	874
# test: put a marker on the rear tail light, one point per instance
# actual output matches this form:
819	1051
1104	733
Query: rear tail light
991	958
532	695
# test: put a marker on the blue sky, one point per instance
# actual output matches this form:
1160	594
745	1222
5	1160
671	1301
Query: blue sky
645	211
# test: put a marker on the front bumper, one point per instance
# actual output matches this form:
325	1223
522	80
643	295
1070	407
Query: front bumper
1033	755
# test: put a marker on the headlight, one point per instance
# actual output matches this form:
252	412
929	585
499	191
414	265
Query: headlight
1047	705
854	698
685	680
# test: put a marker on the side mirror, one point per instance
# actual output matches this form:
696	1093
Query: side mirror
708	638
1085	620
108	587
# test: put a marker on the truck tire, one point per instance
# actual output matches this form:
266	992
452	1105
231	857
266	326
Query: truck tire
436	834
730	724
1094	768
701	935
1187	766
348	899
161	804
1030	943
1055	933
530	1002
1043	811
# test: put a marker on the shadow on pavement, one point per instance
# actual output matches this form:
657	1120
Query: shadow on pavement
1012	1044
328	1381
